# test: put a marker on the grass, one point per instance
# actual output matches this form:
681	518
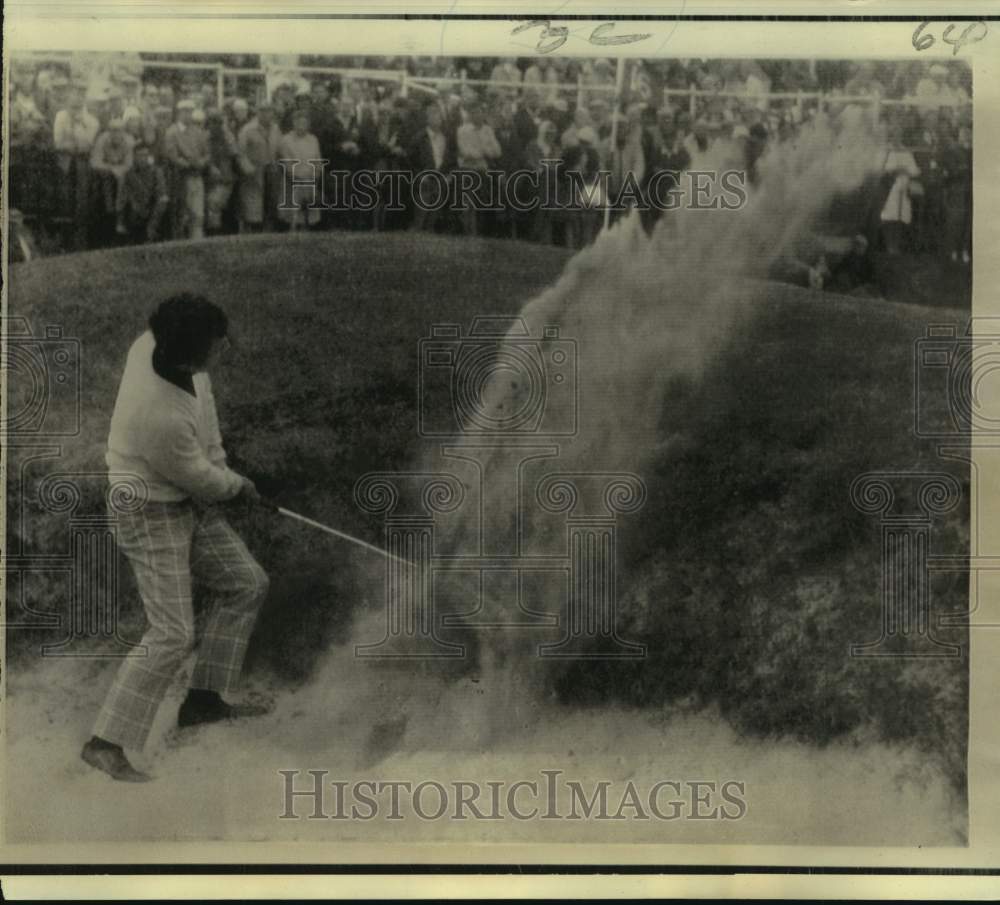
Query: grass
755	573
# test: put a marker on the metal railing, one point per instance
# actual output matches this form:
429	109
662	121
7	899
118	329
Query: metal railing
431	84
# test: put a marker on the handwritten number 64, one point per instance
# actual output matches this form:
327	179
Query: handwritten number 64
969	35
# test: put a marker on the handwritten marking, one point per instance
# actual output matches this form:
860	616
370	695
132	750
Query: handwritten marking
553	37
923	41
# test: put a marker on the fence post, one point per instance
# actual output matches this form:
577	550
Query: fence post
692	105
220	85
404	86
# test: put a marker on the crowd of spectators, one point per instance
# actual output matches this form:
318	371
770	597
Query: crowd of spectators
158	154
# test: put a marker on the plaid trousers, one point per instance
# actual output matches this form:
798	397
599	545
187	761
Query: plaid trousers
175	548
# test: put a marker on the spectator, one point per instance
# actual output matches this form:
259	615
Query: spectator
628	159
505	71
162	120
509	160
698	141
110	160
258	147
300	204
74	133
863	82
933	86
477	149
543	155
955	90
581	120
167	98
544	78
239	115
133	126
283	100
599	112
322	118
221	175
956	167
345	154
209	96
527	117
145	198
387	151
433	150
897	212
150	98
582	167
186	151
114	107
29	143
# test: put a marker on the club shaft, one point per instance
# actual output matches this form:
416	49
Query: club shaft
352	540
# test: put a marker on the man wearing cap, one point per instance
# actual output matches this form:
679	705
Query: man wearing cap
185	147
182	549
74	133
110	160
258	150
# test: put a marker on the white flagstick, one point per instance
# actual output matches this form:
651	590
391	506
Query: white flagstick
615	115
341	535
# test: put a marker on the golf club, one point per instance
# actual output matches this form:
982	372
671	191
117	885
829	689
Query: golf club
281	510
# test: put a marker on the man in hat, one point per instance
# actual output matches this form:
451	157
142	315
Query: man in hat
165	430
185	147
300	198
258	150
74	133
110	160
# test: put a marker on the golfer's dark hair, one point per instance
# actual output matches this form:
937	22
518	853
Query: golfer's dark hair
185	326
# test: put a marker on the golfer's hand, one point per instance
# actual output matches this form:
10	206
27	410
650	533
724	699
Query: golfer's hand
249	491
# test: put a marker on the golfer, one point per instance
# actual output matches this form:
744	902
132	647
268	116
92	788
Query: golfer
165	430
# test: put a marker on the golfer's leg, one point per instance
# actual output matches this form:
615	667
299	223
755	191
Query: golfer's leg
157	542
234	585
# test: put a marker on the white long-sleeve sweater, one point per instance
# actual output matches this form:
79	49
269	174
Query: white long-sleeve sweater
166	436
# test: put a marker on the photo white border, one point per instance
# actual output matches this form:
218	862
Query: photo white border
50	27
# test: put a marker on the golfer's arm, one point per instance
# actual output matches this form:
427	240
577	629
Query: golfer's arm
176	455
